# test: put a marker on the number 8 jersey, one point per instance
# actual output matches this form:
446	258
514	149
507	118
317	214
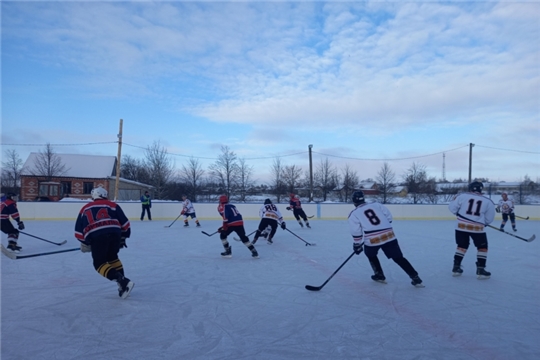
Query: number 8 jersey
473	211
371	224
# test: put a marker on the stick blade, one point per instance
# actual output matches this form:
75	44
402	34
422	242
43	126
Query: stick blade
63	242
313	288
8	253
532	238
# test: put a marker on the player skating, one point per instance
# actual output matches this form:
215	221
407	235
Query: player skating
102	228
296	206
9	209
506	207
188	211
270	218
371	225
473	212
232	222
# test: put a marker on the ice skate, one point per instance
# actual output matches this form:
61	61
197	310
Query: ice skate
307	224
227	253
198	225
514	228
124	287
13	247
482	274
457	270
379	277
301	225
416	281
255	254
269	241
186	224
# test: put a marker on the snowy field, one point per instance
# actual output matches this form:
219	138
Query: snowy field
189	303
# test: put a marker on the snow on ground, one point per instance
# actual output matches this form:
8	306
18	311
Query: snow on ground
189	303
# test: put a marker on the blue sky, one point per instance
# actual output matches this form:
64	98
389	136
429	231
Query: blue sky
363	82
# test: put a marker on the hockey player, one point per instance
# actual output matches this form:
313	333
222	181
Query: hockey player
270	217
146	203
9	209
371	225
232	221
506	206
296	206
188	211
473	212
102	228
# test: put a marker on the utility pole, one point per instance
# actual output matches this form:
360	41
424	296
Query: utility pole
118	161
444	166
471	145
310	174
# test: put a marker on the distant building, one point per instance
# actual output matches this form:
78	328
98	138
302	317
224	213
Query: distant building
83	173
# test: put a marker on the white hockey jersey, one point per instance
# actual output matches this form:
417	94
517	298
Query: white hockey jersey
187	207
506	207
473	211
371	224
271	211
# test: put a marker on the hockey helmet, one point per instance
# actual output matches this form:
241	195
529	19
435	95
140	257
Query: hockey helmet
99	193
358	197
291	195
476	186
267	201
223	199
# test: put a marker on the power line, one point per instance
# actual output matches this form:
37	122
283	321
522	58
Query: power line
521	151
95	143
392	159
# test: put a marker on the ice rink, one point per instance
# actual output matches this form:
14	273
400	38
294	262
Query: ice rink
189	303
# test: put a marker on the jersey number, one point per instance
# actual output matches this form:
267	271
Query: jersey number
471	205
372	217
270	207
101	214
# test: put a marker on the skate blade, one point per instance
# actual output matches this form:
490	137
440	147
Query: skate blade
226	256
482	277
126	293
456	274
419	285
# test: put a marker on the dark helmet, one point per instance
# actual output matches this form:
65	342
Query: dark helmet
267	201
476	186
10	195
358	197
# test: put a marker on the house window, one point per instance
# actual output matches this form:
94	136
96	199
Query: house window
43	189
87	187
66	187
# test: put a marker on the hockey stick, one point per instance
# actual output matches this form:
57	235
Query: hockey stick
317	288
248	235
307	243
521	217
519	237
309	217
207	234
15	256
174	221
37	237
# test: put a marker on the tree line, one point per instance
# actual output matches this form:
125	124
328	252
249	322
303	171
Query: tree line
234	177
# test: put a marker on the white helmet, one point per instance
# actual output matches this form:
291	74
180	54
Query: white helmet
99	193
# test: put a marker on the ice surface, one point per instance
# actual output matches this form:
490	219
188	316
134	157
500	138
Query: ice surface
189	303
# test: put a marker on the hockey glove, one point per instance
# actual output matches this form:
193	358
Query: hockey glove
223	228
183	212
498	209
283	226
86	248
358	248
288	208
21	225
123	243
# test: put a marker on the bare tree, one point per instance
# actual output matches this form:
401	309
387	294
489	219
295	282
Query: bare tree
11	172
386	182
48	164
160	168
225	170
349	183
277	184
326	177
291	175
415	178
245	181
134	169
192	175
